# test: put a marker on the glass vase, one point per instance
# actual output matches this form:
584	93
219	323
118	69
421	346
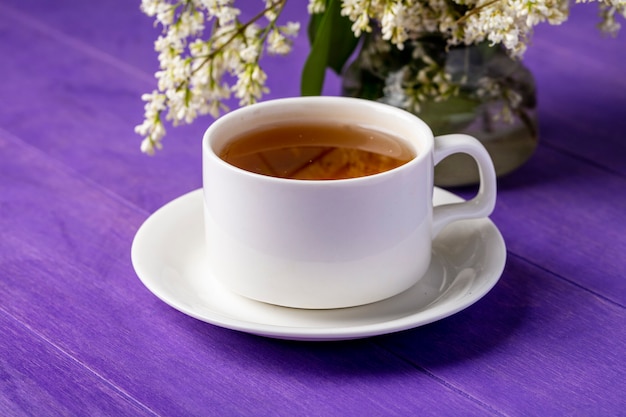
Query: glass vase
478	89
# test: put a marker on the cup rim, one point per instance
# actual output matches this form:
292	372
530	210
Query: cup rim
231	117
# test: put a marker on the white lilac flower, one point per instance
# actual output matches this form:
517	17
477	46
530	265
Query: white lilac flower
360	13
197	69
152	128
271	12
222	10
510	22
316	6
278	43
392	24
250	85
608	10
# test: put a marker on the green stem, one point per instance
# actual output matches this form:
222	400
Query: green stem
476	10
239	31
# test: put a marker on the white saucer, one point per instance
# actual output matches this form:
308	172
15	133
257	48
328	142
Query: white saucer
168	256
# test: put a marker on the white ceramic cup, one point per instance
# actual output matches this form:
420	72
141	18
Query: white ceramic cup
330	243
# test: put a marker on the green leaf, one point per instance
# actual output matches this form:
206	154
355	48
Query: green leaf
332	44
343	44
314	24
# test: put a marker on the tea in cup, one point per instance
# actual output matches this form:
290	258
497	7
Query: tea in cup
326	202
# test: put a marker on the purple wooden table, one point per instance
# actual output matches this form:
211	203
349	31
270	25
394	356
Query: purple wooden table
81	335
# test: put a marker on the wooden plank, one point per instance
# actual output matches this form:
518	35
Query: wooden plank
535	345
115	31
570	218
38	379
82	111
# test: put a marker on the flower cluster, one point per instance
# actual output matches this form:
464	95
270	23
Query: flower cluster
199	73
207	53
507	22
437	38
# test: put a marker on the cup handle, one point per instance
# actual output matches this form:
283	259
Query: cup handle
483	203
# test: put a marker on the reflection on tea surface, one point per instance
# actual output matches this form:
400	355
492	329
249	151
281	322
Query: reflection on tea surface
317	151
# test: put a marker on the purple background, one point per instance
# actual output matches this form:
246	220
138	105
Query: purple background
82	336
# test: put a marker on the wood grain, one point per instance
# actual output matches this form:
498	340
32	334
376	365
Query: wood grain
80	335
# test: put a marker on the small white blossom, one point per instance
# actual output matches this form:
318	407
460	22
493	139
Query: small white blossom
152	128
277	43
609	9
291	29
250	85
271	11
316	6
392	24
395	91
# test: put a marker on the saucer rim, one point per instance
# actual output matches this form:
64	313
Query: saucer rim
412	320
